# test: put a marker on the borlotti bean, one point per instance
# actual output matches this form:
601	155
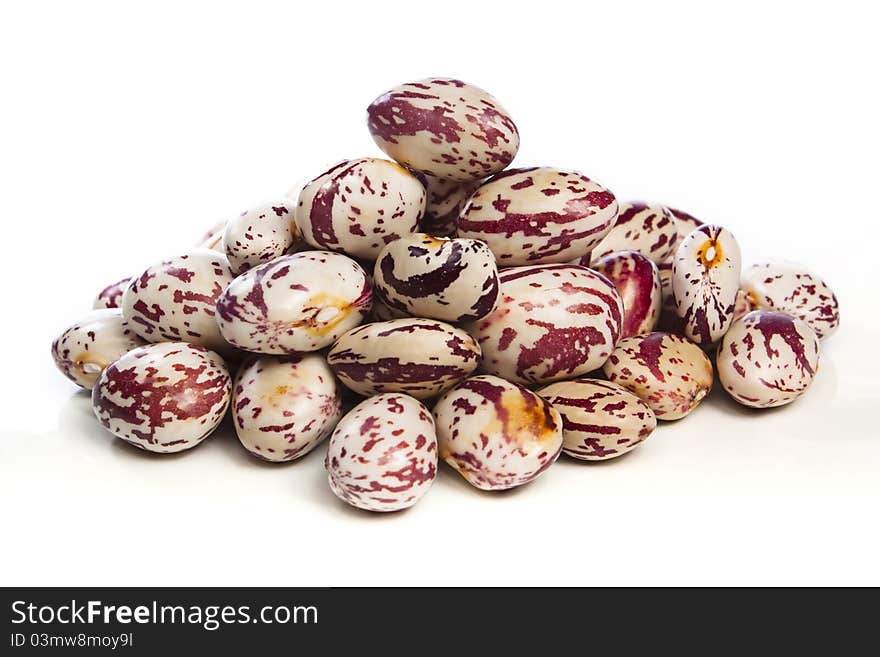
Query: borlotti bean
530	276
538	215
705	280
637	280
284	406
164	397
668	372
497	434
648	229
299	302
450	279
87	347
359	206
792	288
111	296
176	299
600	420
421	357
383	454
768	359
445	201
552	322
444	128
259	234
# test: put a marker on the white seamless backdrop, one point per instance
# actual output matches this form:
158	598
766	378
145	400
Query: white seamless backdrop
126	130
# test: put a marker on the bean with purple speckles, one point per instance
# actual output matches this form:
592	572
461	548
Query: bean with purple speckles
299	302
538	215
164	397
705	281
111	296
793	289
648	229
383	454
359	206
552	322
284	406
86	348
421	357
637	279
175	299
600	420
450	279
497	434
767	359
259	234
670	373
444	128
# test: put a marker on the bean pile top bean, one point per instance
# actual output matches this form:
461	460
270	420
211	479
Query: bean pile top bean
457	309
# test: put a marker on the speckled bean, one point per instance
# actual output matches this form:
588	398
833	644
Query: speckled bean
705	280
600	420
444	128
420	357
552	322
450	279
87	347
792	288
648	229
538	215
767	359
359	206
299	302
383	454
637	280
497	434
668	372
164	397
259	234
284	406
176	299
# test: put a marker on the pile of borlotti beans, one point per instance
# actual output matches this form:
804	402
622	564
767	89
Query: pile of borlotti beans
485	317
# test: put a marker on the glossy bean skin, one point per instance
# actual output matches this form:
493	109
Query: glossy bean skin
259	234
793	289
382	455
284	406
175	299
452	279
444	128
600	420
647	229
705	281
296	303
768	359
420	357
497	434
359	206
668	372
165	397
552	322
538	215
637	280
86	348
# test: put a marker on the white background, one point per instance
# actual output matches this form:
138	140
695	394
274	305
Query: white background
129	129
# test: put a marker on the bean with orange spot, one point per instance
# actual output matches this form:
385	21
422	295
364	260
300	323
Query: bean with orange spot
284	406
497	434
295	303
705	281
